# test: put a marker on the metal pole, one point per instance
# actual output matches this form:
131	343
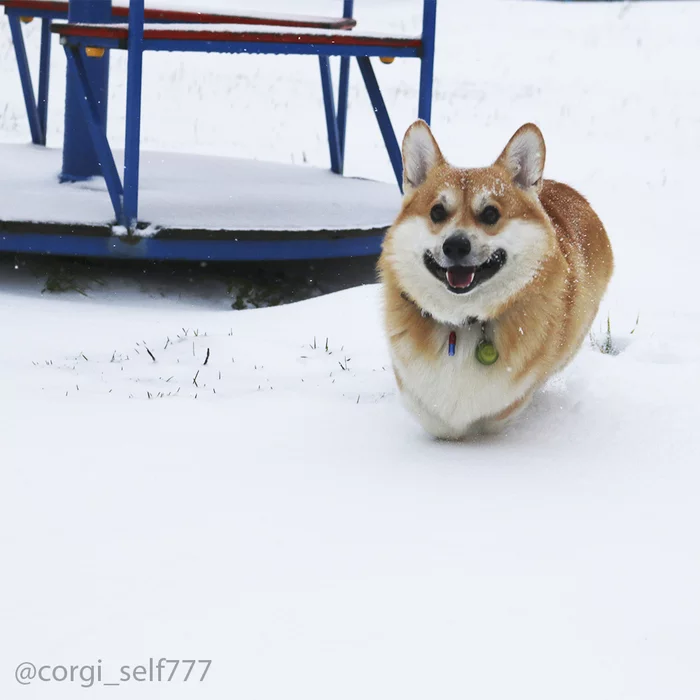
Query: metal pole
80	161
331	121
26	79
425	96
132	147
380	111
44	74
95	132
343	91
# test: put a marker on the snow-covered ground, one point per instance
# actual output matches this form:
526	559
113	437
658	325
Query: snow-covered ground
273	508
231	193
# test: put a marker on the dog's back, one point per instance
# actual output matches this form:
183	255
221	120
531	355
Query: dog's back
586	248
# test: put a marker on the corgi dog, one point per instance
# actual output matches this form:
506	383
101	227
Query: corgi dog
491	278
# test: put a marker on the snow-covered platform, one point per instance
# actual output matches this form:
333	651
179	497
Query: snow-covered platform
193	207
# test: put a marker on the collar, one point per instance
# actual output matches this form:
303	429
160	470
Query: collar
486	352
471	320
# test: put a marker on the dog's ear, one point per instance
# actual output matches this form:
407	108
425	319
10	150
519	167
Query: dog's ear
524	156
420	155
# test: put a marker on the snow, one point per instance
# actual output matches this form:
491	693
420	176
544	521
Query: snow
249	9
296	526
186	191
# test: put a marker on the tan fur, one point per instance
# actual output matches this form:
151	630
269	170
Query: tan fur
538	328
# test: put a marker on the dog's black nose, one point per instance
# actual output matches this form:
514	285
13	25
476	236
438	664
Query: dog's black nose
456	248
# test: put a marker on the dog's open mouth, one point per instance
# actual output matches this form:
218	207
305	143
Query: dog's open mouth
463	279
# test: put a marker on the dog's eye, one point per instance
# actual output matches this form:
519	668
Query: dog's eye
438	213
489	216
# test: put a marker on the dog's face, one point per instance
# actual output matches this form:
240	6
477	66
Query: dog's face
468	240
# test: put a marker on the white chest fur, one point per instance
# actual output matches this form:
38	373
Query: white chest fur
451	394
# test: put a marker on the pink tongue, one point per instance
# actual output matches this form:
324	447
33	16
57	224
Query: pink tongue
460	277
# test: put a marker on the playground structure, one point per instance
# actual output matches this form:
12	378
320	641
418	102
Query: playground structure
92	28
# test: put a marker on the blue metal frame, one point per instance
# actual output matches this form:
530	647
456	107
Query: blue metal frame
39	13
93	119
38	134
336	122
44	75
137	45
132	148
331	119
168	249
89	85
41	101
380	111
81	160
343	85
204	46
125	201
425	95
37	107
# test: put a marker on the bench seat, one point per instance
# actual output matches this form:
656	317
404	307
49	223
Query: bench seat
117	35
153	14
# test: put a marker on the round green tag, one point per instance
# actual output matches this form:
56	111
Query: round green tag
486	352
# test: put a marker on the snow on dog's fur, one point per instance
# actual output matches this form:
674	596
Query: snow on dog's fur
492	253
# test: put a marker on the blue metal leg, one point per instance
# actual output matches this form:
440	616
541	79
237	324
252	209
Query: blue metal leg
343	106
132	147
80	161
44	74
91	115
343	91
380	111
425	95
26	79
331	121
